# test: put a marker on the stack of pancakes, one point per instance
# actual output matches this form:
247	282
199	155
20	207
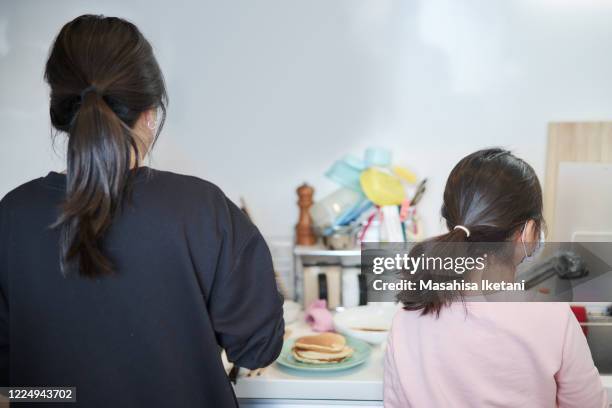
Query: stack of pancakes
321	349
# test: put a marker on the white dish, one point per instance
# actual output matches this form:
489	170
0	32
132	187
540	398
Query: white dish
370	323
291	310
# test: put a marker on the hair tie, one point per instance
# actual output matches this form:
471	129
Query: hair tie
90	88
461	227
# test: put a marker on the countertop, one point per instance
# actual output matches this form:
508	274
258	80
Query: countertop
361	383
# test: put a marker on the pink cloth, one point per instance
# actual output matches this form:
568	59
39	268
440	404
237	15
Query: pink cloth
318	317
496	355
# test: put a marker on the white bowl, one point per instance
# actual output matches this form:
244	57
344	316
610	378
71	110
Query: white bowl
291	310
370	323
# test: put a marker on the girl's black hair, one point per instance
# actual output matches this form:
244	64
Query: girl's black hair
493	194
103	76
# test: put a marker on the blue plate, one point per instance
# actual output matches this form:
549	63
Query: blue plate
361	352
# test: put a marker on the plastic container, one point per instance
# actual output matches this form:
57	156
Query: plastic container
377	157
345	174
327	210
354	162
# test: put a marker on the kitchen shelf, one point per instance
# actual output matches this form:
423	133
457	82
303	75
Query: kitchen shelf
318	254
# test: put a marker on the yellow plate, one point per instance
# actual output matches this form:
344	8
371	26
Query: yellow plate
382	188
405	174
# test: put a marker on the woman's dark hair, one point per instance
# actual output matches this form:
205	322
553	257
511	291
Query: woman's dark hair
103	76
493	194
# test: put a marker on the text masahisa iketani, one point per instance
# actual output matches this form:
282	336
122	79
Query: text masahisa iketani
484	286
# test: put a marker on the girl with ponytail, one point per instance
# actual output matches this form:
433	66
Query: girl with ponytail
120	280
492	203
443	351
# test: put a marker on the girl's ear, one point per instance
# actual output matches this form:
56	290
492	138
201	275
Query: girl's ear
527	233
530	233
525	240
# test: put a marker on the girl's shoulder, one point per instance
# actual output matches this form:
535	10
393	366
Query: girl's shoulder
530	315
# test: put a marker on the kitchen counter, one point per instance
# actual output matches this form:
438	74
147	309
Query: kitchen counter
360	386
361	383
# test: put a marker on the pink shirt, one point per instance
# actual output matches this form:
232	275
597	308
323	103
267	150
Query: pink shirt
495	355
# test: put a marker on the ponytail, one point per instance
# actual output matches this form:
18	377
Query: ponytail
98	158
453	244
103	76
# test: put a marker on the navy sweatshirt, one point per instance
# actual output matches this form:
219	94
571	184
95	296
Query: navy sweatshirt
193	275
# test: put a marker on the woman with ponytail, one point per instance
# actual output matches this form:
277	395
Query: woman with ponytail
446	351
120	280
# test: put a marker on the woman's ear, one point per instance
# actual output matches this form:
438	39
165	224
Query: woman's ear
147	122
145	129
150	117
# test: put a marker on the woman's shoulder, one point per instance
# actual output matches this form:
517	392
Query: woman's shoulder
188	195
24	194
180	189
171	185
178	181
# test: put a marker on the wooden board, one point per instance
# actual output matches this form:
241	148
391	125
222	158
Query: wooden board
573	142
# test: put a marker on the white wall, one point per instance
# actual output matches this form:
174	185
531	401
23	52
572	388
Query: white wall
267	94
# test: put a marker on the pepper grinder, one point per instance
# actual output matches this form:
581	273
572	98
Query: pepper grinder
303	230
